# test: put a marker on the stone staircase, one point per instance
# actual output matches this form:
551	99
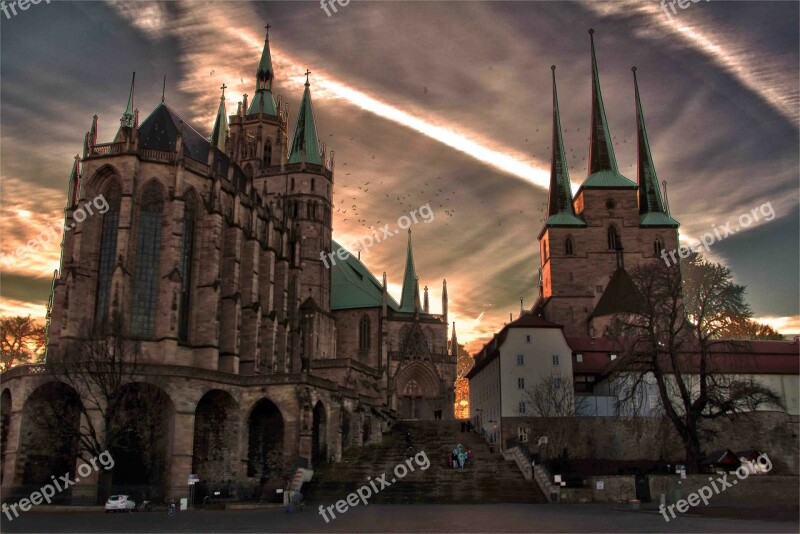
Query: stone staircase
487	478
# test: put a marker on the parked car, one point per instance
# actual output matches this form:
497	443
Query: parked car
120	503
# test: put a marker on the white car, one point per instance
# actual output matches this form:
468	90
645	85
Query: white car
120	503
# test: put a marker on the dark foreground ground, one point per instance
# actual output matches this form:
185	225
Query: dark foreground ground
418	518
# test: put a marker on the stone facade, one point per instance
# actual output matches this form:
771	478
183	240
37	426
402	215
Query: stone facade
210	253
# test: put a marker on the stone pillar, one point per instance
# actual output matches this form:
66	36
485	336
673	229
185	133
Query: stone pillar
180	465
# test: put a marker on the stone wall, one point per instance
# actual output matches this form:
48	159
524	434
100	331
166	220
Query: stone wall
755	489
647	438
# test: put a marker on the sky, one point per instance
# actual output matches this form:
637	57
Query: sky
447	104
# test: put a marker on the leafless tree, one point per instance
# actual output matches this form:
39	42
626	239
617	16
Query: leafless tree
103	367
21	341
672	346
553	397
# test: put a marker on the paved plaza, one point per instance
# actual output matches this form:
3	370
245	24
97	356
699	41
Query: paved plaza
415	518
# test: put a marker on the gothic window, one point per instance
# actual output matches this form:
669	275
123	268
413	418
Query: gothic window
312	210
312	184
614	242
148	254
363	333
108	251
296	209
658	246
568	246
292	188
185	256
268	153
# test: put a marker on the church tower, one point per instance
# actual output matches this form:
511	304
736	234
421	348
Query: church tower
611	222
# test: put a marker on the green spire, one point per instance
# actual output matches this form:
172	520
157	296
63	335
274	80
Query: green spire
601	150
560	210
264	76
603	170
220	133
652	211
409	300
128	118
305	133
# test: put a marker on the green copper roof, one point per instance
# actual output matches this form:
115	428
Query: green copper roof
409	300
656	218
603	170
353	286
652	211
560	209
270	106
305	134
264	76
220	132
609	180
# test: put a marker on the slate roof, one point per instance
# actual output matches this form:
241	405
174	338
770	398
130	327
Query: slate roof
353	286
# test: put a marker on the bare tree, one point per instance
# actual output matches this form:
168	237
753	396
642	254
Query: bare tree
553	397
21	341
115	413
673	342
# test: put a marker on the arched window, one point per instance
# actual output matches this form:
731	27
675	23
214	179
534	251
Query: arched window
312	210
292	188
268	153
658	246
148	255
185	256
296	209
313	182
568	246
614	242
363	333
108	251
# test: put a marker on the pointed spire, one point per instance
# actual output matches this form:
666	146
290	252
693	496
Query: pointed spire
425	303
221	130
263	100
454	343
74	182
305	144
444	299
652	210
603	170
560	210
601	149
409	300
127	118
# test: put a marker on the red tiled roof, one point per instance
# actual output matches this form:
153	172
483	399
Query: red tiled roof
749	357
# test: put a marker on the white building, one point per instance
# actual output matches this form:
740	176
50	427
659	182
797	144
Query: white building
518	358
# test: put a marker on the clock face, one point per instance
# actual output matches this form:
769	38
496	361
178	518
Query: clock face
611	204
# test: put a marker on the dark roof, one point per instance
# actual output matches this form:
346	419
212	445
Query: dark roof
744	357
620	296
159	131
720	457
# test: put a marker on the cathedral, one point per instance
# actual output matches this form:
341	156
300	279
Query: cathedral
588	239
210	258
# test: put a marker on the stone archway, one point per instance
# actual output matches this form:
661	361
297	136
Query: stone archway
265	454
140	441
319	435
418	389
49	435
216	438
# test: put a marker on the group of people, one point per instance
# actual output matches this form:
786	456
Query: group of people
459	457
